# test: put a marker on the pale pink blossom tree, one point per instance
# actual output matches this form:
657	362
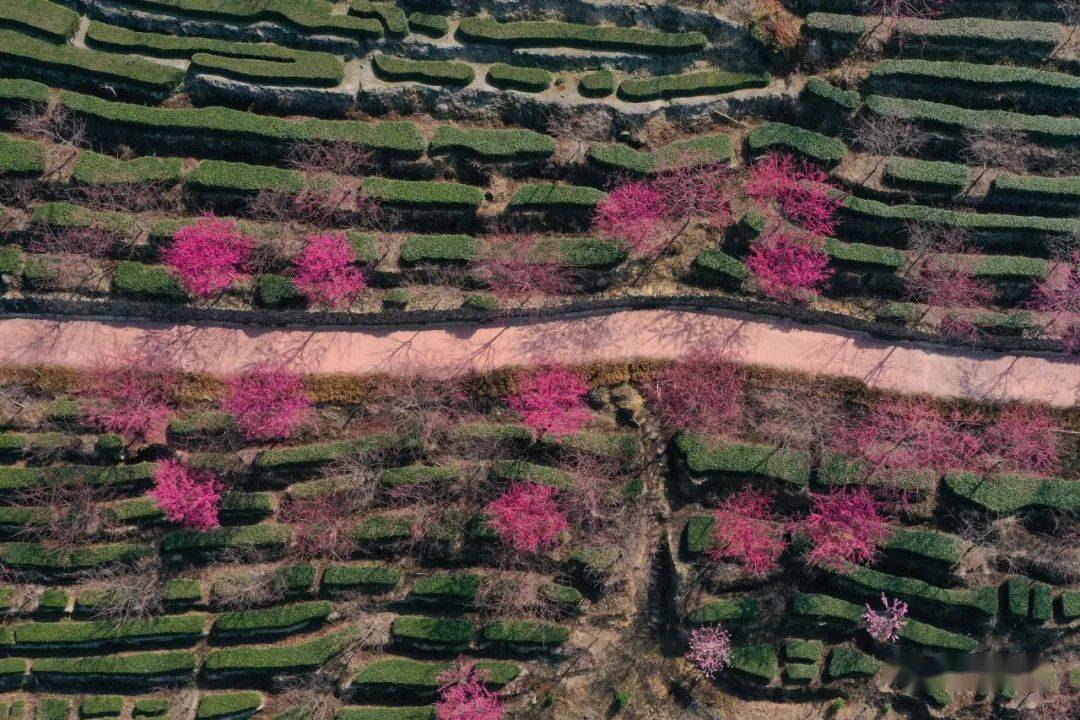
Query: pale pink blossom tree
527	517
463	695
748	533
209	256
267	403
710	649
131	398
846	527
885	626
906	433
789	267
519	265
190	498
326	271
702	393
796	191
1024	439
1058	296
552	400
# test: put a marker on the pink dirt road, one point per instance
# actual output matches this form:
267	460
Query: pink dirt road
446	349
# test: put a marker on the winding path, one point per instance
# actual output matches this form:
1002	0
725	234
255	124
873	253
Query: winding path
445	349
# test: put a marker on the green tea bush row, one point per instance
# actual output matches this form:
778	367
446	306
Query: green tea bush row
982	38
1009	493
692	84
391	16
926	175
274	659
228	705
311	16
515	144
368	578
275	620
431	72
164	629
788	138
713	457
416	679
512	77
623	158
544	33
40	16
20	157
263	537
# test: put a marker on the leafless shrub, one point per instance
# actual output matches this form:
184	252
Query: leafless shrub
15	404
799	417
330	156
93	241
53	123
247	588
575	130
888	136
66	512
128	593
997	147
512	594
310	698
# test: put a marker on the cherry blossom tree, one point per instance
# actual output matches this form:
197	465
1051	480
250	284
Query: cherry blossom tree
1024	439
463	695
1058	294
702	393
209	256
789	267
527	517
633	214
710	649
648	216
940	271
748	533
885	626
326	272
267	403
131	398
552	400
190	498
846	527
518	266
906	433
796	191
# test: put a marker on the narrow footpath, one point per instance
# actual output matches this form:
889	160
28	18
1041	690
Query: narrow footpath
451	348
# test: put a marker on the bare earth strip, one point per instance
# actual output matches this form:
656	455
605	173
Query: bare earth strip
445	349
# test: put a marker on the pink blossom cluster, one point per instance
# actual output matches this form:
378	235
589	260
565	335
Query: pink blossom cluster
190	498
209	256
552	400
798	191
748	533
128	399
464	696
326	272
846	527
517	266
702	393
267	403
789	266
885	626
527	517
647	215
710	649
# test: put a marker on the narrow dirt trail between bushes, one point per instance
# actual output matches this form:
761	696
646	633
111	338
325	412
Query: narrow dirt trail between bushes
450	348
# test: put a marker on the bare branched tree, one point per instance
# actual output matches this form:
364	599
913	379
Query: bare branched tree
127	593
318	157
997	147
64	513
575	131
887	136
247	588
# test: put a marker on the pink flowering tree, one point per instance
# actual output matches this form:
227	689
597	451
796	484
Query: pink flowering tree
326	272
748	533
267	403
463	695
633	214
190	498
906	433
527	517
796	191
133	399
846	527
1058	297
788	266
552	401
648	216
1024	439
209	256
516	266
702	393
710	649
885	625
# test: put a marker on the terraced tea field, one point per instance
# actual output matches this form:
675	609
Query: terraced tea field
532	440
